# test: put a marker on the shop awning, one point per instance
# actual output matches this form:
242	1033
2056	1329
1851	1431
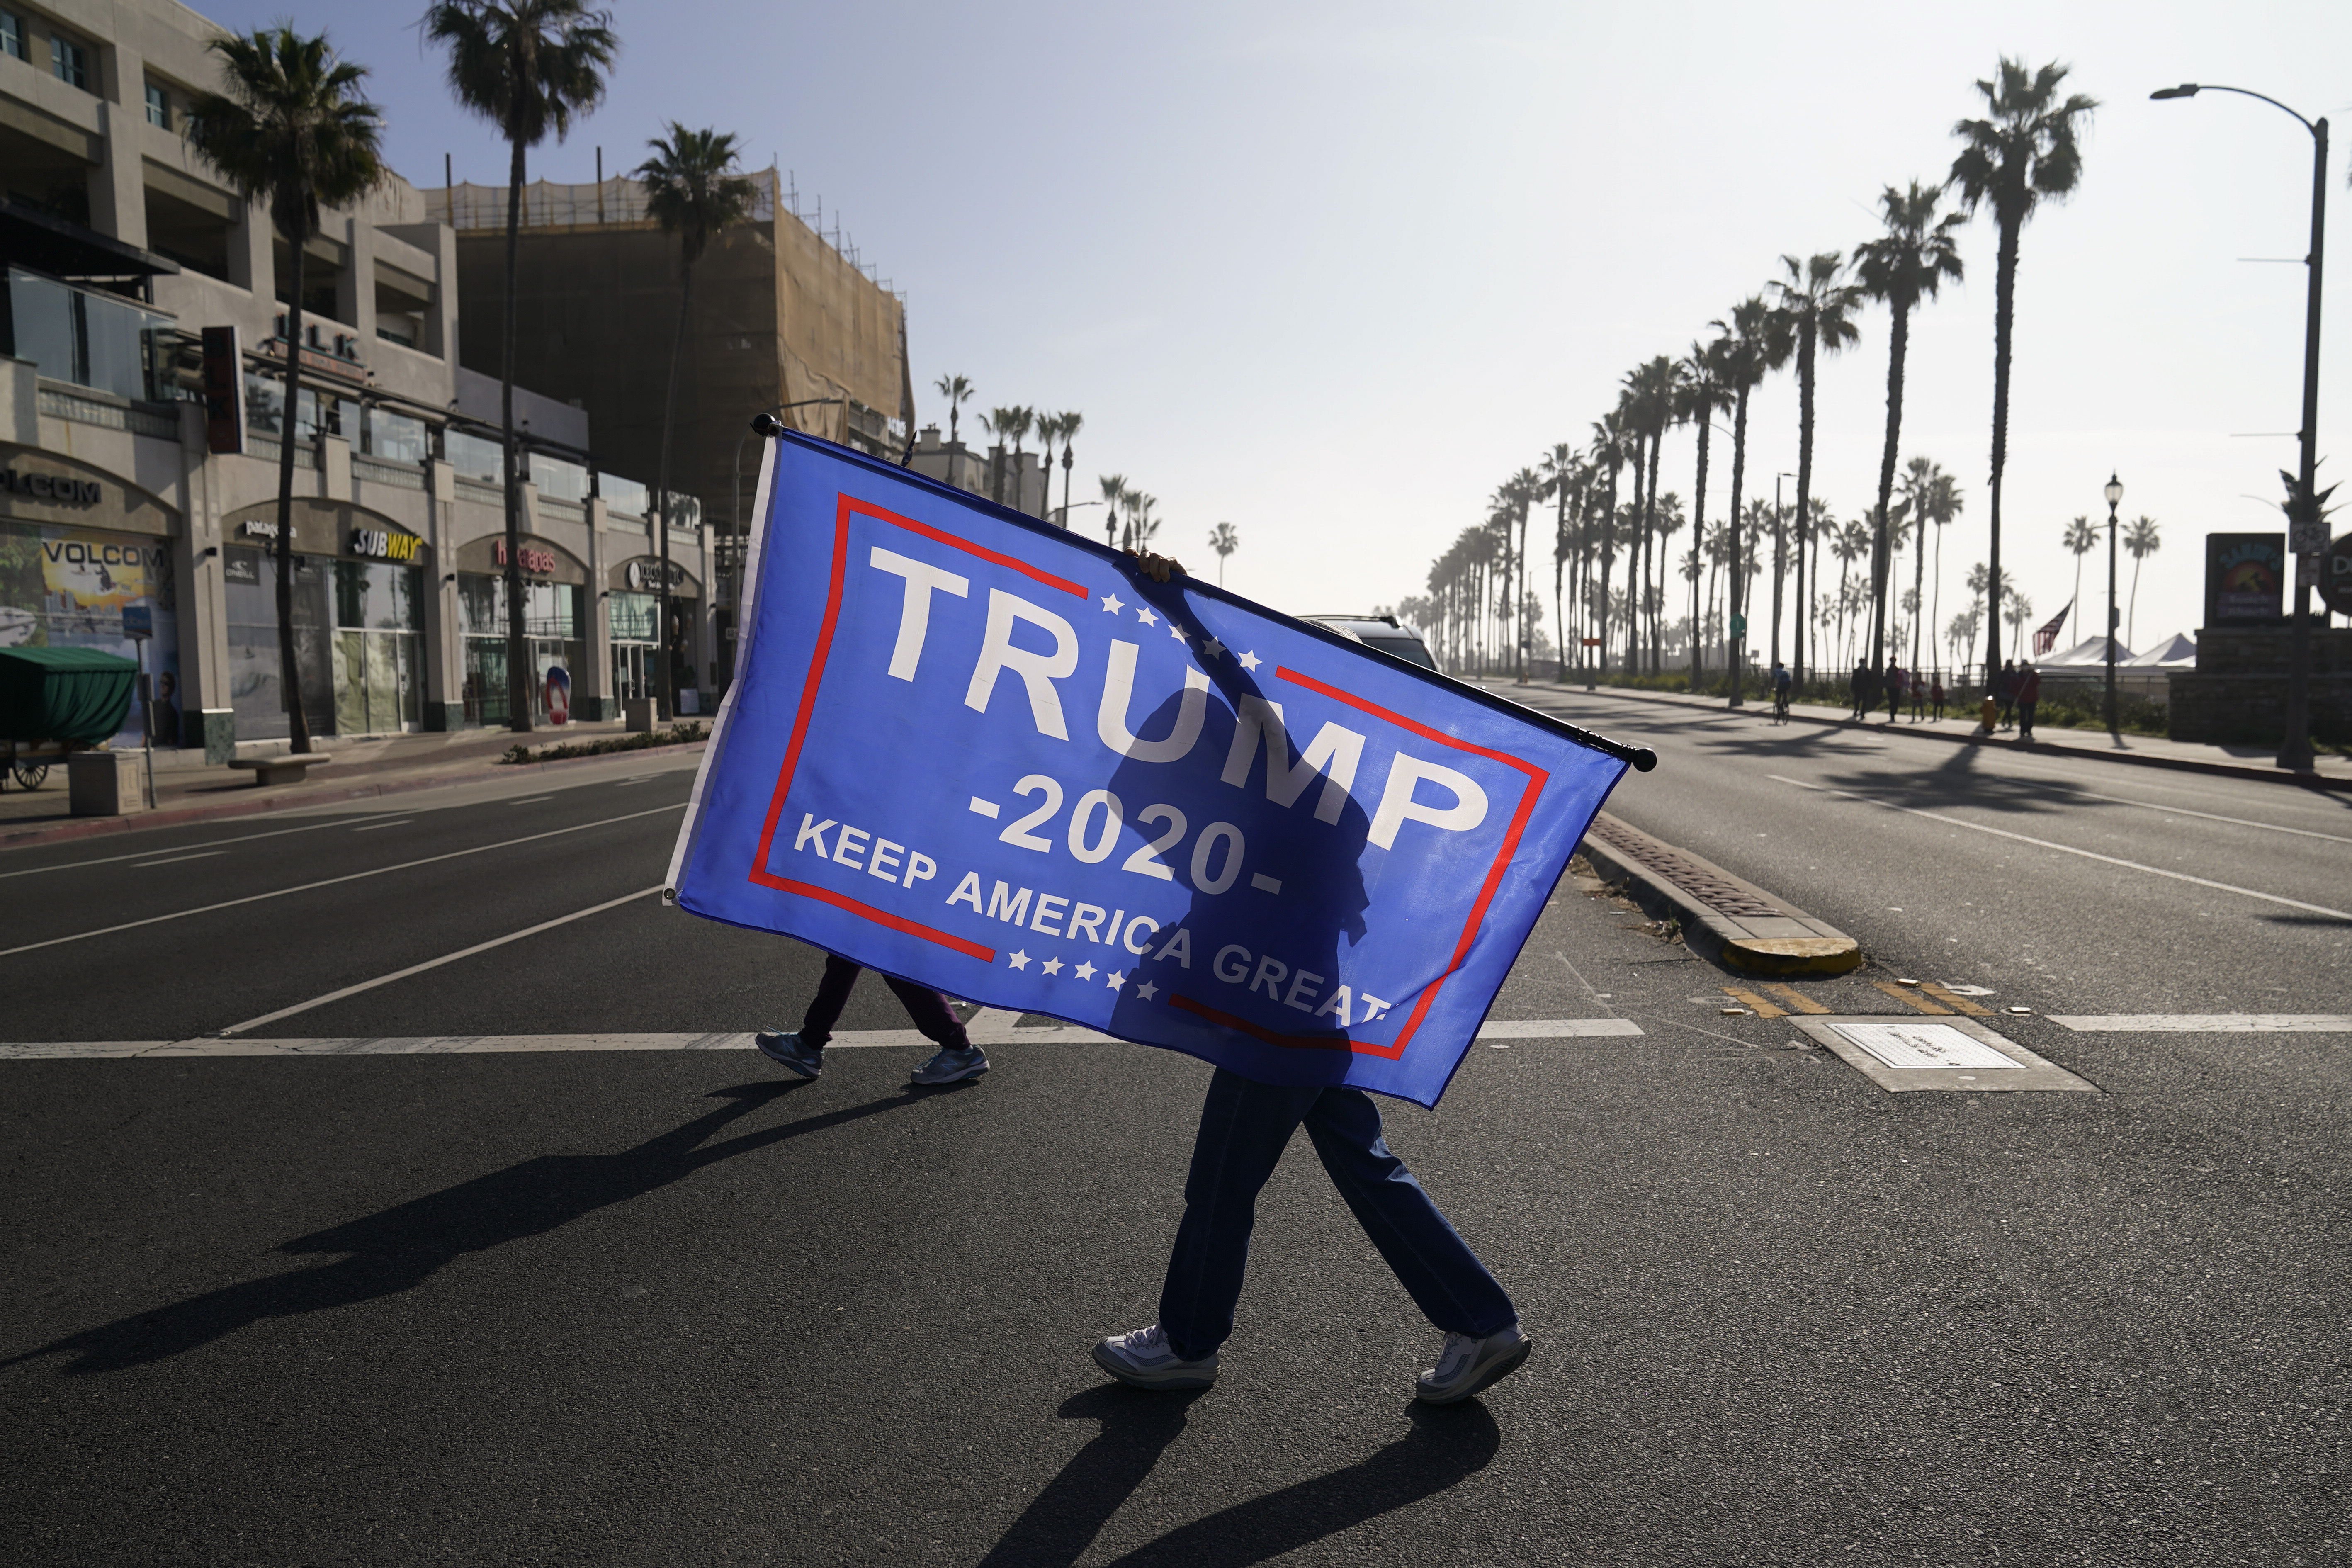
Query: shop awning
64	693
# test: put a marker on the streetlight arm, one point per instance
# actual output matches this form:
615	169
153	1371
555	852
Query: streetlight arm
2191	88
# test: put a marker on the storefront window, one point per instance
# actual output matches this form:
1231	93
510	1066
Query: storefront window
397	438
558	479
475	457
631	618
67	588
553	631
257	690
378	674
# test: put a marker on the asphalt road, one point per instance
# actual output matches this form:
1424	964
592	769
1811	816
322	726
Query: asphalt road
659	1307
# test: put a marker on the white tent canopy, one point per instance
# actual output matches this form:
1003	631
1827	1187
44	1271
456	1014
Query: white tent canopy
2089	652
2177	651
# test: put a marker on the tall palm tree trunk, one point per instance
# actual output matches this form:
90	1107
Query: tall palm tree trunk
1898	343
1732	649
1655	600
1698	528
1804	497
289	675
2003	320
1919	589
518	648
666	695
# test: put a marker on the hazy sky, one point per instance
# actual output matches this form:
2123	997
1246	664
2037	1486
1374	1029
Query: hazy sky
1331	272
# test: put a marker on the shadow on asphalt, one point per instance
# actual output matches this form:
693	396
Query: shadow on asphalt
401	1247
1445	1445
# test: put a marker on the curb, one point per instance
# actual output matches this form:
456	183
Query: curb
1723	916
1978	738
96	826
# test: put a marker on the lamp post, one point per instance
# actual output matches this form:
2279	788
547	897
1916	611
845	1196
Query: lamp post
2306	529
2114	493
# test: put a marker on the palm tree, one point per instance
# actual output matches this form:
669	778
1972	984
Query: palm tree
1525	489
527	66
2080	539
1114	492
2141	540
2021	610
1049	430
1559	471
1005	425
1759	343
1224	541
1651	388
1932	497
1611	445
2024	150
693	193
958	392
1705	391
1850	544
1903	266
1067	425
292	133
1142	526
1817	310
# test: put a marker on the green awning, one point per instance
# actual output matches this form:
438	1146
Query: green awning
64	693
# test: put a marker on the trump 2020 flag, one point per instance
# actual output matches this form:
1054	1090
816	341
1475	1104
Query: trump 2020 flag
969	749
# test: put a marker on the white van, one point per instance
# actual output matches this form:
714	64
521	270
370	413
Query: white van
1385	633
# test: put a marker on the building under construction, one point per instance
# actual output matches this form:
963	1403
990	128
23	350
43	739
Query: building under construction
779	317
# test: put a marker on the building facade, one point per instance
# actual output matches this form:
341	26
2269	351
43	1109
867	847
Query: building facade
139	283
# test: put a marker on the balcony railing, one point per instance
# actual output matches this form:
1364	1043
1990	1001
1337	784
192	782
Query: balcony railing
88	338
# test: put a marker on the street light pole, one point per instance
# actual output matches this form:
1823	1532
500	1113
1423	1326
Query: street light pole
2114	494
2306	529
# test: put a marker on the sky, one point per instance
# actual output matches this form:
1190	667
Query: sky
1333	272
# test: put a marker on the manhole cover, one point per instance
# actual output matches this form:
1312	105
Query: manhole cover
1924	1046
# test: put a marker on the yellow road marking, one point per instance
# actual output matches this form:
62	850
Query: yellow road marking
1962	1003
1911	998
1748	998
1797	999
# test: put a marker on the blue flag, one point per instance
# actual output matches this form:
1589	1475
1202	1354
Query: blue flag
973	750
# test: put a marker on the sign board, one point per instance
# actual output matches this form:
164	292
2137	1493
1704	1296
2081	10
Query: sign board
2246	579
223	390
1739	626
2336	576
138	622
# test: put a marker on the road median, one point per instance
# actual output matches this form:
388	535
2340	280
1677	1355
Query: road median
1722	917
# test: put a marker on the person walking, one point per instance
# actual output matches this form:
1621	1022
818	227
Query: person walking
1861	690
1244	1126
1780	687
1936	696
802	1050
2029	698
1898	686
2005	689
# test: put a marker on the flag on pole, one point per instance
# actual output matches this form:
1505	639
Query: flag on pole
978	752
2046	637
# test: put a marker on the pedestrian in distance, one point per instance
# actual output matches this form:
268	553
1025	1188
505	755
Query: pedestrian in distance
1918	697
802	1050
2029	698
1245	1127
1936	696
1863	701
1780	688
1898	685
2005	688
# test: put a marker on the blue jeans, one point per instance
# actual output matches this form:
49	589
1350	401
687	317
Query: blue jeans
1244	1128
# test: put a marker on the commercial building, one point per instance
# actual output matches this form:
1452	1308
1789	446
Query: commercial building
134	277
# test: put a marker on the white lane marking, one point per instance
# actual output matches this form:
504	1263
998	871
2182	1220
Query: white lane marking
246	838
2211	816
531	800
2207	1023
2067	848
232	1044
1556	1029
175	860
331	881
437	962
372	826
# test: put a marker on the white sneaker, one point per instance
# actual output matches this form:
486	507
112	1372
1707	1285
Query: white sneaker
1145	1360
1468	1365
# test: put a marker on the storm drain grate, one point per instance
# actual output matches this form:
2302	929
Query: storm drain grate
1711	890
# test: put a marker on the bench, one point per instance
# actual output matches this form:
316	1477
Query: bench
268	770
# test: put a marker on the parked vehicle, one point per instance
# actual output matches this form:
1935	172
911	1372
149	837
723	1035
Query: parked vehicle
57	699
1385	633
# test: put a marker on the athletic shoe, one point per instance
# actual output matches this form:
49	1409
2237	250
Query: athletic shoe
791	1051
953	1066
1469	1364
1144	1359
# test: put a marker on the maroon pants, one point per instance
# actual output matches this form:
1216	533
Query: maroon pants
927	1008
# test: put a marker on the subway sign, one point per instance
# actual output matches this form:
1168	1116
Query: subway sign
58	489
382	544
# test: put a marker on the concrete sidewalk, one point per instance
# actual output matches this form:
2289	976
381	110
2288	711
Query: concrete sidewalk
361	769
2147	751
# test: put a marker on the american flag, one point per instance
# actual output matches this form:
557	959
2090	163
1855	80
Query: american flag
2046	637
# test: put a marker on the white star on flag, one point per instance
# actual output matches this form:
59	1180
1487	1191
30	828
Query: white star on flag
1147	991
1251	661
1178	633
1113	979
1085	971
1212	647
1052	966
1113	603
1147	618
1017	960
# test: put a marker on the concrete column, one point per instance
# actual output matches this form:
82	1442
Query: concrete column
335	467
355	284
20	402
118	185
592	688
200	597
441	320
252	264
445	632
706	627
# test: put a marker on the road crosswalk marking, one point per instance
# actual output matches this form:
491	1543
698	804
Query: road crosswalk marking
991	1027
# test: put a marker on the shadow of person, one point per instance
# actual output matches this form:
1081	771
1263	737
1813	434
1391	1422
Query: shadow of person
1444	1446
1063	1520
396	1248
